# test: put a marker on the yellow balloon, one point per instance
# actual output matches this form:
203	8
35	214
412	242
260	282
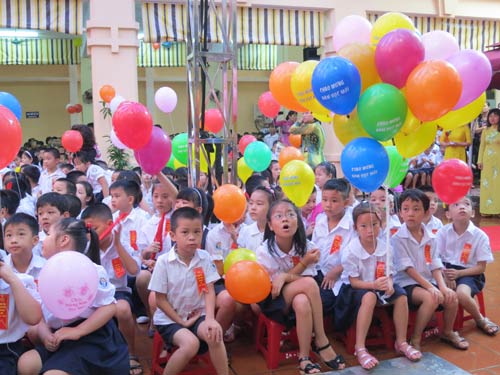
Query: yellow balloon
297	181
386	143
411	124
462	116
178	164
244	171
363	56
322	117
388	22
203	162
415	143
349	127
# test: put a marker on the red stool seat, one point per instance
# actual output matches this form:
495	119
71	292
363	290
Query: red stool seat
461	317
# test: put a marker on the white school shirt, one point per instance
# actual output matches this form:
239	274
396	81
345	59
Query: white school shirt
409	253
110	255
431	157
94	173
148	233
37	249
325	238
105	296
47	179
133	223
27	205
36	191
434	225
177	280
393	225
281	262
16	326
250	237
450	245
219	242
34	268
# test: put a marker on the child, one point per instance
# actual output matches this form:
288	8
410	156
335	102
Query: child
90	343
194	198
419	270
183	281
465	250
323	172
118	262
306	212
74	205
50	171
431	222
290	260
9	202
32	174
85	194
95	175
64	186
365	282
378	199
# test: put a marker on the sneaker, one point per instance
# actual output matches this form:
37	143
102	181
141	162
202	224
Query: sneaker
142	319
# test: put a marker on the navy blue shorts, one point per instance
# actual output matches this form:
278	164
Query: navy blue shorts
409	292
475	283
124	296
168	331
9	354
327	296
219	286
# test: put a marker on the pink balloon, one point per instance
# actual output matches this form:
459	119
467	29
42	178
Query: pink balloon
475	71
268	105
245	141
155	155
397	54
115	141
166	99
68	284
351	29
439	45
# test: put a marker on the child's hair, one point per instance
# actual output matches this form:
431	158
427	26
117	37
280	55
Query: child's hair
33	158
130	176
74	175
299	237
102	164
98	211
414	195
194	195
270	194
78	231
18	183
85	156
339	185
70	185
187	213
74	205
447	206
22	218
53	199
89	192
67	166
328	167
87	135
31	172
131	189
54	151
9	200
252	183
366	208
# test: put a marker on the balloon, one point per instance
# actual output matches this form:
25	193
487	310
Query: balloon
388	22
411	124
461	116
68	284
156	46
78	108
248	282
180	147
363	57
382	110
203	160
279	84
214	121
351	29
433	89
166	99
258	156
417	142
72	140
115	141
107	93
238	255
10	101
297	181
475	72
153	157
295	140
230	203
115	103
398	167
365	164
336	84
245	141
439	45
244	171
11	136
133	124
288	154
452	180
348	127
268	105
70	109
397	54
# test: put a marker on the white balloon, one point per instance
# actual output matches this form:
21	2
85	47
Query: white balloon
115	102
116	141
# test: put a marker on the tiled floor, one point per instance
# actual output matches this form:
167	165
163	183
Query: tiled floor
482	358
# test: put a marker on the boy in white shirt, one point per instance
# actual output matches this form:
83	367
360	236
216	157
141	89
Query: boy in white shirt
50	172
431	222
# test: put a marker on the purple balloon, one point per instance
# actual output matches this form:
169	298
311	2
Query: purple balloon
155	155
475	71
397	54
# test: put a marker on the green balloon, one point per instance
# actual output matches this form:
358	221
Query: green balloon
398	167
382	111
180	148
258	156
238	255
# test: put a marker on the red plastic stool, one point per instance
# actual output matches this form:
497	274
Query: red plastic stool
461	317
434	327
202	362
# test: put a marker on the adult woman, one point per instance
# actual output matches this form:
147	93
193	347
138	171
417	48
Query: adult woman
285	125
455	142
487	162
477	127
313	139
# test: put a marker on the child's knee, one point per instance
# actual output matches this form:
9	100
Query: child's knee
29	363
225	301
369	299
123	311
142	279
463	293
301	304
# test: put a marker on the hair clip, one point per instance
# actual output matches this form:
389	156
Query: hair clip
8	185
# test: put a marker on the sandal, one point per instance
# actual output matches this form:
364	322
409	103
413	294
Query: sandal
487	326
408	351
135	366
365	359
338	363
310	367
455	340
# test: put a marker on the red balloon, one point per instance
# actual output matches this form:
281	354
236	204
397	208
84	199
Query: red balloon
268	105
248	282
230	203
156	45
11	136
245	141
70	109
452	180
214	121
72	140
78	108
133	124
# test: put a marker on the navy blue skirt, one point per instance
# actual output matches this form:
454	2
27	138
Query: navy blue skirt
275	308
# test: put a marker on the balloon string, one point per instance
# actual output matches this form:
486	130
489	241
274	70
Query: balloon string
387	232
171	123
114	224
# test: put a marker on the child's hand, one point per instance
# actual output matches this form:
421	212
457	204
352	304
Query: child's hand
153	248
118	231
6	273
310	230
311	257
390	287
192	318
450	273
437	296
449	295
214	330
452	284
278	283
382	283
67	333
50	343
329	280
150	263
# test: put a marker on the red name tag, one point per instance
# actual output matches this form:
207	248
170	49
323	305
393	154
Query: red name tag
380	270
133	240
393	231
4	311
464	257
118	267
427	253
295	260
434	231
167	226
337	242
200	280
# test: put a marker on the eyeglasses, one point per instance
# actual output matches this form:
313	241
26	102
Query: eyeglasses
288	215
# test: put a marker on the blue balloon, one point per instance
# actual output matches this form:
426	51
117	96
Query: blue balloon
336	84
10	101
365	163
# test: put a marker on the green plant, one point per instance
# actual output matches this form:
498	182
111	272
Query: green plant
105	111
118	158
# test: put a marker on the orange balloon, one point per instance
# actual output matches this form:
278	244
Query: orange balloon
248	282
156	45
432	89
363	56
295	140
280	87
230	203
288	154
107	93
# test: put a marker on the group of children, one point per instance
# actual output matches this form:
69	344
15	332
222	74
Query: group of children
330	259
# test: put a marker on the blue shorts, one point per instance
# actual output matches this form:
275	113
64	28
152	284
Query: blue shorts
219	286
124	296
409	292
475	283
9	354
168	331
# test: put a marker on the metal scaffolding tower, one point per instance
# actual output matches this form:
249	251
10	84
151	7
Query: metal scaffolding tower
210	66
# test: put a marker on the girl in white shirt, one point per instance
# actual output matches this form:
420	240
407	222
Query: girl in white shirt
95	175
